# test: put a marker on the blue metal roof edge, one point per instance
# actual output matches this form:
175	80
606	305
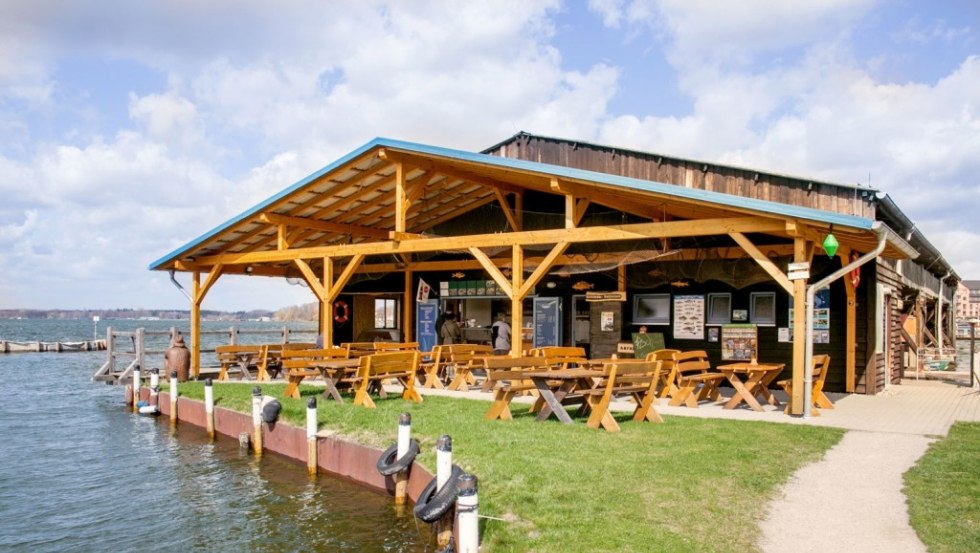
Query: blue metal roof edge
777	208
158	264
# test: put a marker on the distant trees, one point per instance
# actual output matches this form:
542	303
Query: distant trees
305	312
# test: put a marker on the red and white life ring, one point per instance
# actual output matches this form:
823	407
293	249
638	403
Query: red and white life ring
341	313
856	271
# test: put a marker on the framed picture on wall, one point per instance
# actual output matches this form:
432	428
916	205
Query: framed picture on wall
740	315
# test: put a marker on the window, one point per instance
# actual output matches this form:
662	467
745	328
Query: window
651	309
385	313
719	309
762	308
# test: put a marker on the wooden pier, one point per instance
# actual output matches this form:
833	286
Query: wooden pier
126	350
9	346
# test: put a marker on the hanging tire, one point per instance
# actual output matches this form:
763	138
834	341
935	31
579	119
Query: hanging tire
388	465
432	504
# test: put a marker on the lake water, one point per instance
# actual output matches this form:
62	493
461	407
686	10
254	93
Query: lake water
79	472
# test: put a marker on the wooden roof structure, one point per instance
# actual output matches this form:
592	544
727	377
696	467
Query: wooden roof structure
383	202
371	202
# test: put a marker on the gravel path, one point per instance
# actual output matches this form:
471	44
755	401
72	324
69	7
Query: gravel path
851	500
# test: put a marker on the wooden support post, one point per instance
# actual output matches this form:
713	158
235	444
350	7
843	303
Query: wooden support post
407	309
850	342
326	323
311	427
621	278
517	302
800	252
196	326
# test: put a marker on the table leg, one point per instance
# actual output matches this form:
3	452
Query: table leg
330	380
553	399
743	391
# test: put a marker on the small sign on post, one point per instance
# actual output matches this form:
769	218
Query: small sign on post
95	327
798	271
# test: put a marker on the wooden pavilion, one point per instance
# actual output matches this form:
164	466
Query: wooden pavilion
404	210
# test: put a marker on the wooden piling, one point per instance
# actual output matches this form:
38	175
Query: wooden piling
404	439
311	427
257	421
173	398
444	468
209	407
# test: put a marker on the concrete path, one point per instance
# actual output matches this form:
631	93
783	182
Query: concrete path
852	499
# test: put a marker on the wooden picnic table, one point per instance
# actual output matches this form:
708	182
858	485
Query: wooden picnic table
555	386
334	371
757	377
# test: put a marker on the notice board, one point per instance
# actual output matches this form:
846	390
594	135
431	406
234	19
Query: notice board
547	322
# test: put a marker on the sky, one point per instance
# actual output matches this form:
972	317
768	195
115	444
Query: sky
130	128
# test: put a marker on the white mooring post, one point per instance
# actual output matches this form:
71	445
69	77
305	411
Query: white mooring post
155	387
467	517
257	420
444	468
311	460
137	382
404	440
173	398
209	407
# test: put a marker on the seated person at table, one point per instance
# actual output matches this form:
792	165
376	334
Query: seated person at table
450	332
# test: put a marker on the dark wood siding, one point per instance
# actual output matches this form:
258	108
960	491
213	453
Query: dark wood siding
728	180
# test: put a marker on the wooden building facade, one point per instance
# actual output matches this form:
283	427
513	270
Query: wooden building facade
561	222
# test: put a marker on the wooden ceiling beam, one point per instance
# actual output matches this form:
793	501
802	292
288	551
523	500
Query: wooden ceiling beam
692	228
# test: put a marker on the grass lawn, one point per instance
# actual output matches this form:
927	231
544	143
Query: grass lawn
685	485
943	491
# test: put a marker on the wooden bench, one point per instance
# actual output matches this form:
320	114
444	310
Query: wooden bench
668	375
379	367
692	372
506	377
435	370
462	360
560	356
237	358
638	378
299	364
821	366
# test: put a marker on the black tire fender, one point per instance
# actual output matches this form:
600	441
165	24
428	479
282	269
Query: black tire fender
432	504
388	465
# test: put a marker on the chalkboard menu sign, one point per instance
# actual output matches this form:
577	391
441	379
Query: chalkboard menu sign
547	322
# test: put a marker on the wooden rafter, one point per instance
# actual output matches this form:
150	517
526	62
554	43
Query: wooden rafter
326	226
505	207
763	261
491	268
311	279
543	268
450	171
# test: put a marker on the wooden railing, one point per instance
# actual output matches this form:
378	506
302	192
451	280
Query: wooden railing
126	350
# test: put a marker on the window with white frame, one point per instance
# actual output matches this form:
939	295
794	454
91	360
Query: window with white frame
385	313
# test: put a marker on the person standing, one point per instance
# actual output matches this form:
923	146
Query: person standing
501	335
450	332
